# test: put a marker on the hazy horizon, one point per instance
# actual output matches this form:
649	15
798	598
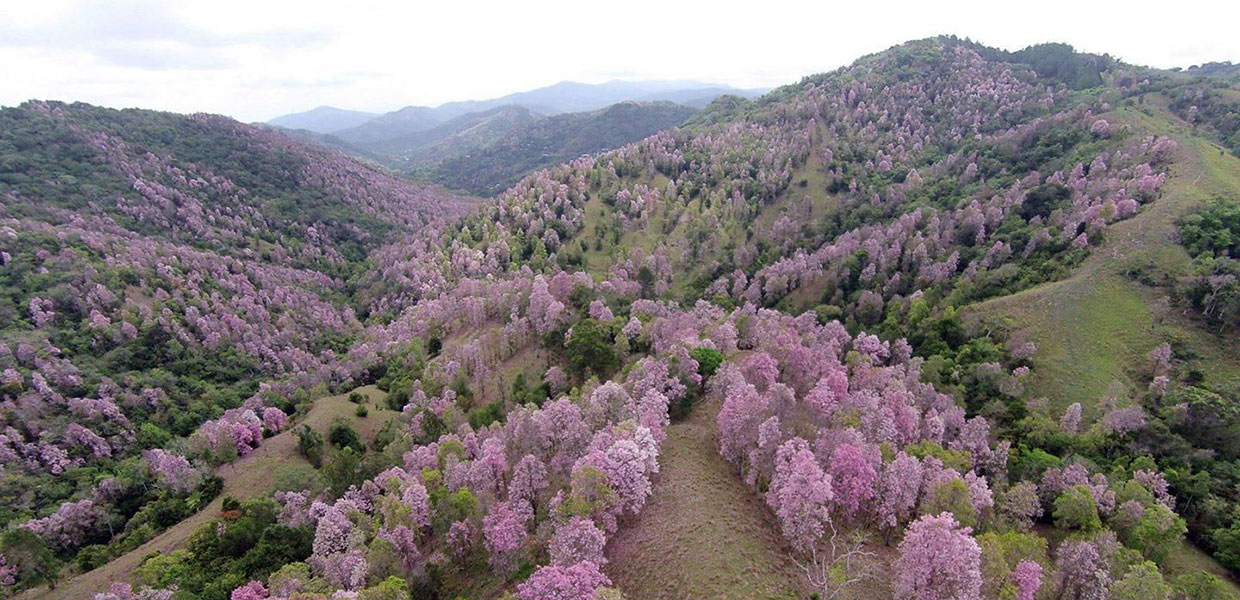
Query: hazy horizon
256	61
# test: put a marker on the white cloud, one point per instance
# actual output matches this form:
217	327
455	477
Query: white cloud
256	59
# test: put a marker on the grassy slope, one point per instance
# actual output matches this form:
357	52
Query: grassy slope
703	534
1096	327
248	477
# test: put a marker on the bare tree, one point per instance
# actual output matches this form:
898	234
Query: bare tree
842	563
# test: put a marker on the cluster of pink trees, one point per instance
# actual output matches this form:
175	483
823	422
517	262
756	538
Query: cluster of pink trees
71	525
842	436
550	481
237	432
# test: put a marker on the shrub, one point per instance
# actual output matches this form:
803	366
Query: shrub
341	435
310	445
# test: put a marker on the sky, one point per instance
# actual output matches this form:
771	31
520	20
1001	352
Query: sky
258	59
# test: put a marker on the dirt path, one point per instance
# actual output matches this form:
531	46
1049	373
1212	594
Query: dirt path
248	477
703	534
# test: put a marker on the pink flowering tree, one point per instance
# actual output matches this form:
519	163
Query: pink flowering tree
853	478
503	531
938	560
1027	577
577	540
554	582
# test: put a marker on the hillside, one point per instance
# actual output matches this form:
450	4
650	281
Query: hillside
948	322
157	269
488	166
485	152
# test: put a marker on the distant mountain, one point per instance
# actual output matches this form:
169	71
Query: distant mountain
570	96
462	134
490	146
489	169
563	97
324	119
700	97
393	125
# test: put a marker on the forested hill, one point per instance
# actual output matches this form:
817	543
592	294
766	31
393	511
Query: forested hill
809	284
156	269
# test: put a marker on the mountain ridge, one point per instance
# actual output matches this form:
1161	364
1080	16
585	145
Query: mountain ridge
561	97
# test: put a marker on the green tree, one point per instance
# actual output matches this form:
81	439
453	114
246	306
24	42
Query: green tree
1001	552
590	348
1200	585
310	445
1142	582
708	360
341	435
1075	509
645	279
392	588
1227	546
344	470
34	562
953	497
1158	533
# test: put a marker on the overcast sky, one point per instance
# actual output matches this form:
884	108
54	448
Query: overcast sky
257	59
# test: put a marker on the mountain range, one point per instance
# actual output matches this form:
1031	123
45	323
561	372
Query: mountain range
567	96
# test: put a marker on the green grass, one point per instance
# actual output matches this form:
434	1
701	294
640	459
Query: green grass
1190	559
1096	327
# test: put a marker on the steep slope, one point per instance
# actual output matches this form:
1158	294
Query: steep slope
703	529
324	119
1097	329
256	475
